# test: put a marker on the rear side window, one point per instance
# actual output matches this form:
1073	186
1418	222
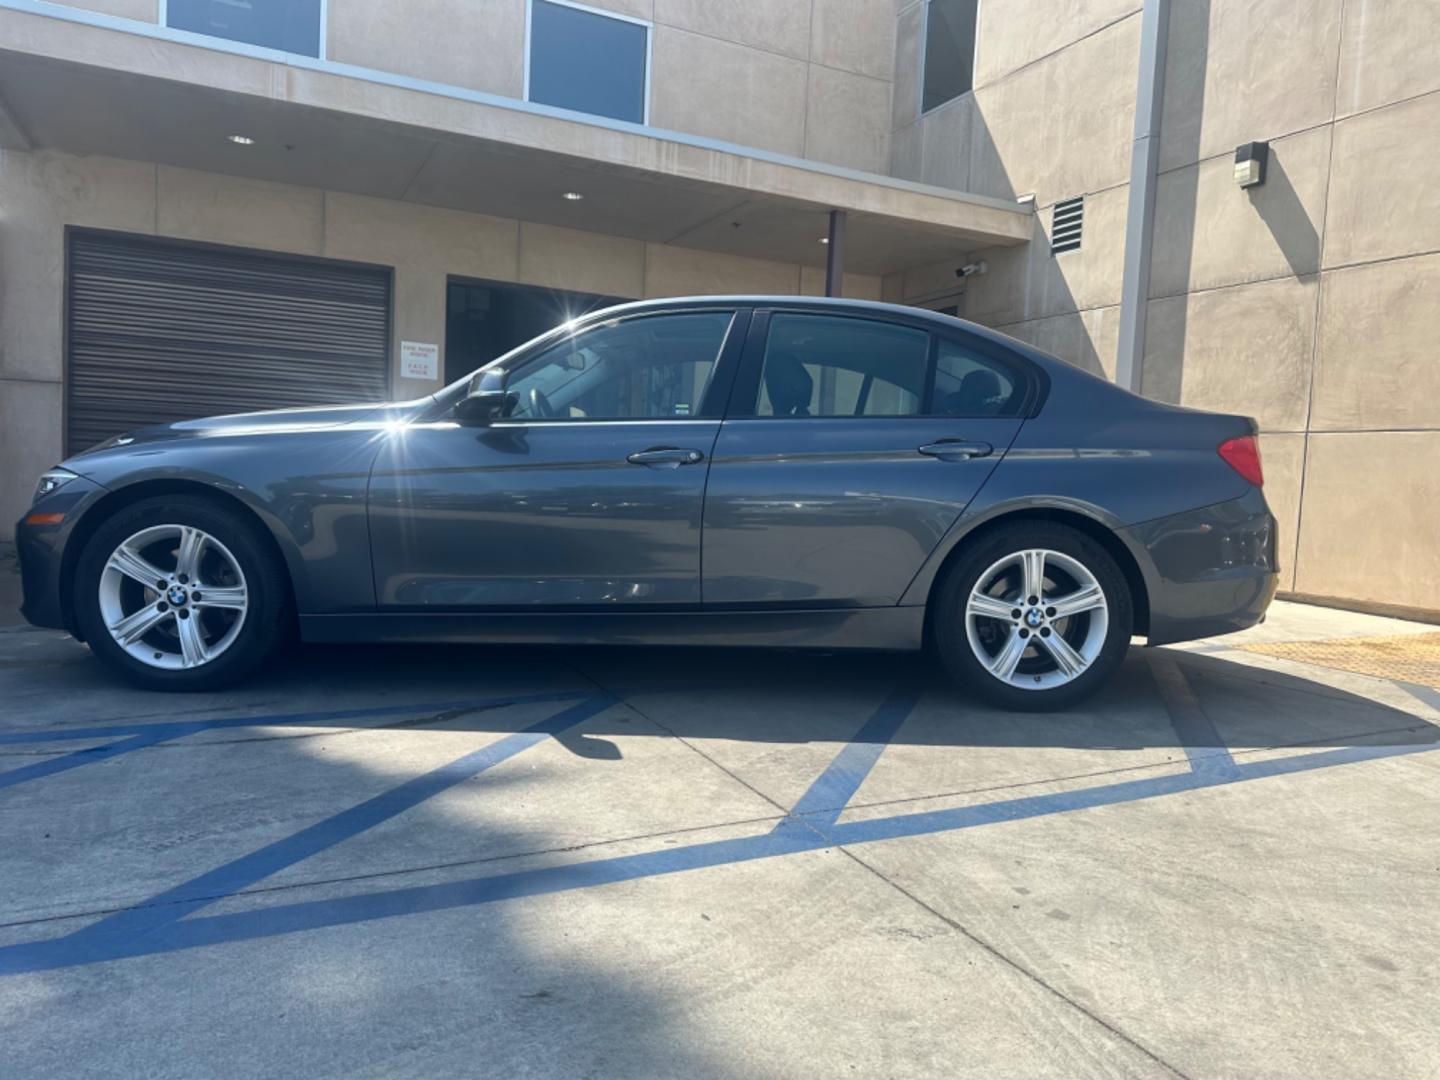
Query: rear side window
970	384
820	365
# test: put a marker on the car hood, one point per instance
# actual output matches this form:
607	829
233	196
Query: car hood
286	421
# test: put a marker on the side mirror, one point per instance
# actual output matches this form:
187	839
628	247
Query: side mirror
486	401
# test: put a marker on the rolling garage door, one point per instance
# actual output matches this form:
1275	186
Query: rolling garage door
161	331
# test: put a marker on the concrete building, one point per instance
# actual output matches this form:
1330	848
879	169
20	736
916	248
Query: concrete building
420	185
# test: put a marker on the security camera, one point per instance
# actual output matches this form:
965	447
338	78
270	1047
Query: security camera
971	268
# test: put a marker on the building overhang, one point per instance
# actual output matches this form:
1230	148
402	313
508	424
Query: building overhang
86	83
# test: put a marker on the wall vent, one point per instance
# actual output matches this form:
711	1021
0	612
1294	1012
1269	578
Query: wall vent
1065	224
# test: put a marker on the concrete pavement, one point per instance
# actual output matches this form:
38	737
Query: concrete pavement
608	862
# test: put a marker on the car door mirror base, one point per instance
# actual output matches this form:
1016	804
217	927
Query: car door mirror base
486	401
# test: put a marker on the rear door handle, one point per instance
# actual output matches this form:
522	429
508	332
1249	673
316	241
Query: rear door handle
956	449
665	457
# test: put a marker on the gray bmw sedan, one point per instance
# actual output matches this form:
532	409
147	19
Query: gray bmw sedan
745	470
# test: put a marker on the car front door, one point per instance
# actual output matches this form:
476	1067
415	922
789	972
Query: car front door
586	496
850	447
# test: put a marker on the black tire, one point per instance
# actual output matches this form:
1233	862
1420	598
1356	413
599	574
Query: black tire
951	594
268	622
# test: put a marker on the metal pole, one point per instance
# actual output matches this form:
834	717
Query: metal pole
1140	214
835	254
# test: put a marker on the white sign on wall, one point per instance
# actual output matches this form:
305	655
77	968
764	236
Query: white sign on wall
419	360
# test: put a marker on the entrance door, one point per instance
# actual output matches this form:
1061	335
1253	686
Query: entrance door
486	319
587	496
853	444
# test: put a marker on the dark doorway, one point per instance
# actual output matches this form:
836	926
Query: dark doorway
486	319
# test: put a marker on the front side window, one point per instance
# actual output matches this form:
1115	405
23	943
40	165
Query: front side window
820	365
969	384
587	61
289	25
655	367
949	69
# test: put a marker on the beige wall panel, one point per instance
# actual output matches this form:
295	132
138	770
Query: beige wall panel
1244	349
235	210
1017	32
853	287
1087	339
676	271
29	443
946	133
725	91
1238	70
1379	363
1364	540
585	261
906	146
1027	282
40	194
856	35
781	26
1063	126
1385	183
1383	53
847	120
909	28
1283	459
640	9
144	10
479	44
1210	232
424	245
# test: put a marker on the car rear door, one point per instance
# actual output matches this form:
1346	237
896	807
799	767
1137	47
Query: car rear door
851	445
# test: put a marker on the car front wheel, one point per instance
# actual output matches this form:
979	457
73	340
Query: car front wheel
1034	616
181	593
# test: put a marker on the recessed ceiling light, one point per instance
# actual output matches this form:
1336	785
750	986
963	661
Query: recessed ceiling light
574	196
241	140
824	239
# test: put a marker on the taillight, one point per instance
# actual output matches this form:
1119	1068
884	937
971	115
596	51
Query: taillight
1243	455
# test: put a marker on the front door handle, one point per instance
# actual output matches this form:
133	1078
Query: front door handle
956	449
665	457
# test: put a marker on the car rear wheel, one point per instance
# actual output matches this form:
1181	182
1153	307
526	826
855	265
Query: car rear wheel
1034	616
181	593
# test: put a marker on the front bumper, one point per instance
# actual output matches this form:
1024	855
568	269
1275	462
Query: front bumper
41	551
1208	571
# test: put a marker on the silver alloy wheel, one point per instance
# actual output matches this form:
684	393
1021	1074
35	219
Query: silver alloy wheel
1037	619
173	597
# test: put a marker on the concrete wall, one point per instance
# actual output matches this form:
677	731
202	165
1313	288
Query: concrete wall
809	78
1309	303
41	193
1050	117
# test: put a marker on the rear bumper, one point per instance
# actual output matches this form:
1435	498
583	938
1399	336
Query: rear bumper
1208	571
41	551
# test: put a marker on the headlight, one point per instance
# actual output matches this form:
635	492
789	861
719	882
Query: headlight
52	482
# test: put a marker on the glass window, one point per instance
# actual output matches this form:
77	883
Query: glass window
647	368
968	384
818	365
949	51
587	61
289	25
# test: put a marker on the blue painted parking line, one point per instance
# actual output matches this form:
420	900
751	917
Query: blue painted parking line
832	791
161	925
1204	749
139	736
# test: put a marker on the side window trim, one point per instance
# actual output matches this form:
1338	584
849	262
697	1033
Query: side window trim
744	396
744	401
727	360
1027	375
